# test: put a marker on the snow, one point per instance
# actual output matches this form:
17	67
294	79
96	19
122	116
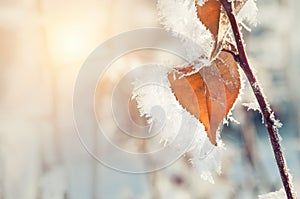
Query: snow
207	158
274	195
248	13
180	18
152	92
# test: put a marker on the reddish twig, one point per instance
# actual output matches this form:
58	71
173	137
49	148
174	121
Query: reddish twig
264	106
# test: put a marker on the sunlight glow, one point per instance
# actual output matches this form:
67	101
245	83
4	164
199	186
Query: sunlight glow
70	44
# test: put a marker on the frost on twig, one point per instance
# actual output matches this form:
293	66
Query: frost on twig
252	106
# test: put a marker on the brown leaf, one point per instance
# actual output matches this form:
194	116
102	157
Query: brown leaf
213	16
210	93
209	14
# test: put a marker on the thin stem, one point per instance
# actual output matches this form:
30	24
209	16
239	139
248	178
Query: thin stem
264	106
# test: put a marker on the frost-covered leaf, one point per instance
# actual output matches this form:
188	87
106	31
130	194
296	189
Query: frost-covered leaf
209	14
210	93
154	90
196	97
213	16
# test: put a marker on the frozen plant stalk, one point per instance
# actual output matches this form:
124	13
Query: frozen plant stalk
268	114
